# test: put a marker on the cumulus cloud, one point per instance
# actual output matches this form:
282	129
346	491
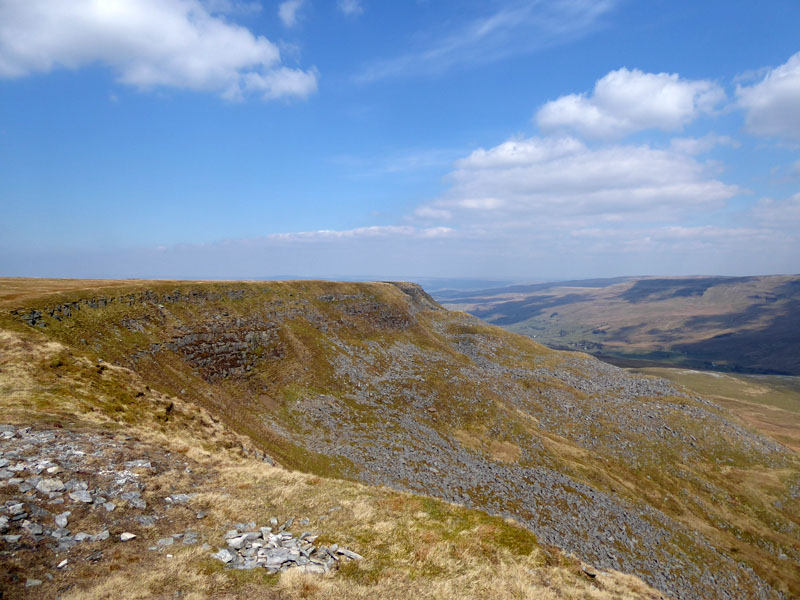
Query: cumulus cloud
148	43
626	101
287	11
350	7
560	180
773	104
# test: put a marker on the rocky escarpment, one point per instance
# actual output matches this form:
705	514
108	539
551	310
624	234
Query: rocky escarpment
377	383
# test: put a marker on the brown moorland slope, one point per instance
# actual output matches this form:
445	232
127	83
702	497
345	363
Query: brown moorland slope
377	383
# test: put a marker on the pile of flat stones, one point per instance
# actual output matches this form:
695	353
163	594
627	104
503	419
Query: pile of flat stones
276	549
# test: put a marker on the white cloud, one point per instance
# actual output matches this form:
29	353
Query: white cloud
773	104
350	7
516	27
690	145
148	43
287	11
564	183
777	213
375	231
625	101
281	82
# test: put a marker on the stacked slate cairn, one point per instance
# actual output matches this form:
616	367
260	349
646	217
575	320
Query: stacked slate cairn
276	549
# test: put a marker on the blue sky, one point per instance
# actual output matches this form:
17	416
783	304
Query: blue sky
500	139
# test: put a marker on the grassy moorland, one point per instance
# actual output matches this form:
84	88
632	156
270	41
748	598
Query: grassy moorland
749	324
771	403
348	384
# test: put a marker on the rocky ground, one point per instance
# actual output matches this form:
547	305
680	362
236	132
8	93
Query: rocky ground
405	449
73	503
70	500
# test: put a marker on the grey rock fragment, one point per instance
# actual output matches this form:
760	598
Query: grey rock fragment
50	485
15	508
62	519
103	535
126	537
32	528
223	555
179	498
81	496
350	554
32	582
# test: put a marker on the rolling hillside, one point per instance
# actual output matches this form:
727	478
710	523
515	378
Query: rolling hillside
744	324
450	453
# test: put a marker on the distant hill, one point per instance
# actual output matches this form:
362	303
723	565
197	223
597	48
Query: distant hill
741	324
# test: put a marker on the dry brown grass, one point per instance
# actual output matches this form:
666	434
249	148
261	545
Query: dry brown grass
412	546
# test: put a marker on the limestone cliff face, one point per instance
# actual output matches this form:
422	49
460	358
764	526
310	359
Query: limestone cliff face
377	382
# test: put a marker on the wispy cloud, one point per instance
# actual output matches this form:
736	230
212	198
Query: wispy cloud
288	10
399	162
375	231
350	7
517	27
233	7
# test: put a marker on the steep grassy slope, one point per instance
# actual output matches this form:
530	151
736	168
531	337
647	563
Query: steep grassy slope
749	324
104	415
376	383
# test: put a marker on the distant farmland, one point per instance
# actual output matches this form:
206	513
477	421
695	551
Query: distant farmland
739	324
